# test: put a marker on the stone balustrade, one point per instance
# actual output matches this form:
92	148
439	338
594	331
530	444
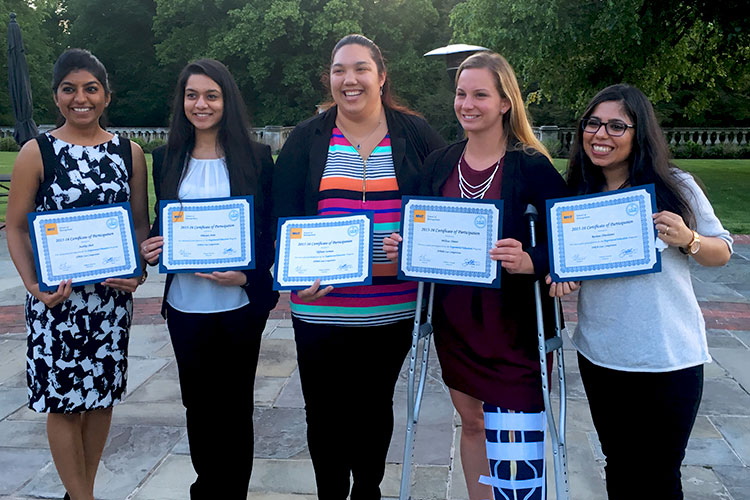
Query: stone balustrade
271	135
738	136
275	136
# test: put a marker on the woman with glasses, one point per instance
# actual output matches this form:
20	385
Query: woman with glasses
486	338
641	339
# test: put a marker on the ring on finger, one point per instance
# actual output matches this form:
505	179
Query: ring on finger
667	231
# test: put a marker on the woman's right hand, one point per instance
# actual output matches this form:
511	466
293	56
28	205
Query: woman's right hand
151	248
390	246
314	292
562	288
51	299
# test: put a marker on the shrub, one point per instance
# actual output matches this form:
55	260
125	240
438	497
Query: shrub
139	141
8	144
687	149
554	147
151	145
723	151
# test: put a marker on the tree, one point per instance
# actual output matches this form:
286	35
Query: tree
43	39
119	33
569	49
278	50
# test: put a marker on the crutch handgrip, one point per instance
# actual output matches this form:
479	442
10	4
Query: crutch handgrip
531	212
553	344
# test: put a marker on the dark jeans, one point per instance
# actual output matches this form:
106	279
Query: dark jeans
217	354
643	421
348	376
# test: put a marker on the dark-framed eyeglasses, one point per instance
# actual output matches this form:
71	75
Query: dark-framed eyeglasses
615	128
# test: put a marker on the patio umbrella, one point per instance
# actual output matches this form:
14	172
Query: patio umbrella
19	86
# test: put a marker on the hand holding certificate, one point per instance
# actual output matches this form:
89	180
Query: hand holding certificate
449	240
336	250
603	235
85	245
207	235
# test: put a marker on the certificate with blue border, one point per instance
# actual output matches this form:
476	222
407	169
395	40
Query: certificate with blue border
216	234
336	249
448	240
603	235
86	245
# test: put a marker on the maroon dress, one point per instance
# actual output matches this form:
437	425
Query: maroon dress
480	350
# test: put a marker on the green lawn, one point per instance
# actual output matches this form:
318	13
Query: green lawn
727	183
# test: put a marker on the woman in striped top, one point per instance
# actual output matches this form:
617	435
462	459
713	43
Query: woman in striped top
364	153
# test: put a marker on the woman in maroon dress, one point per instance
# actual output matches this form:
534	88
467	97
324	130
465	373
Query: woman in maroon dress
486	338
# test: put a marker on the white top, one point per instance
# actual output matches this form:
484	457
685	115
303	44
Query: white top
189	293
649	322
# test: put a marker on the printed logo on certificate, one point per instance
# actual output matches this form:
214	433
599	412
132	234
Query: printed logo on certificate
207	235
86	245
336	249
603	235
448	240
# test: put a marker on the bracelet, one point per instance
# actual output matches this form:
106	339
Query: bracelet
143	277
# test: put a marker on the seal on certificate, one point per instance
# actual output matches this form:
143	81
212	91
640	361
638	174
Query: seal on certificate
480	221
631	209
112	222
234	214
352	231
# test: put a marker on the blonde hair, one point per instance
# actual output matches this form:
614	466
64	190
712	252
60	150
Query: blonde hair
516	123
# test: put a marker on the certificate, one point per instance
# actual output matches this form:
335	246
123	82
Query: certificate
207	235
336	249
87	245
448	240
603	235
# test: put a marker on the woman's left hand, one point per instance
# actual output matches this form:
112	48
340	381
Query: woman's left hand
672	229
123	284
225	278
512	257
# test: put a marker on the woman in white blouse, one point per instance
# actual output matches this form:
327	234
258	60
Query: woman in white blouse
216	319
641	340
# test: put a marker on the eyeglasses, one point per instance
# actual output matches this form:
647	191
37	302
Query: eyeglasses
615	128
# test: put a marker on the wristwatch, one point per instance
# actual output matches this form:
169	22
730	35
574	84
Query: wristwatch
695	244
142	278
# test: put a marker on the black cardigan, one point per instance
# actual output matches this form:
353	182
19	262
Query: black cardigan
526	179
300	165
259	281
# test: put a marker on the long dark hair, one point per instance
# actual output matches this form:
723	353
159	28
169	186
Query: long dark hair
233	136
388	98
76	60
649	160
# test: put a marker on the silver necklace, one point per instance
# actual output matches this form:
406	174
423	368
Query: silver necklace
471	191
358	146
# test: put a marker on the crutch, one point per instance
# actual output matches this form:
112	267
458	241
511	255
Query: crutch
546	346
415	388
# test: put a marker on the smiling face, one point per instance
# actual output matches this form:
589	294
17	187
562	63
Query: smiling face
203	102
355	81
612	154
81	98
478	104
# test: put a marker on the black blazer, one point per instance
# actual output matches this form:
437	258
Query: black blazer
528	178
259	281
300	165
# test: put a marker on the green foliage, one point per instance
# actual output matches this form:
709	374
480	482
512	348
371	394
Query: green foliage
567	50
42	37
149	147
119	33
8	144
687	149
554	147
278	50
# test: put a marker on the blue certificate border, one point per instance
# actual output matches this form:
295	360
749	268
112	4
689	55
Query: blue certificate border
75	214
592	201
246	207
324	221
456	277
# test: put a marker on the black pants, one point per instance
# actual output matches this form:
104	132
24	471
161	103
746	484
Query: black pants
644	422
217	354
348	376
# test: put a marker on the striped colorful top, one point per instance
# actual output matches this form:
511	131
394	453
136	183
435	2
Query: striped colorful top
350	185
